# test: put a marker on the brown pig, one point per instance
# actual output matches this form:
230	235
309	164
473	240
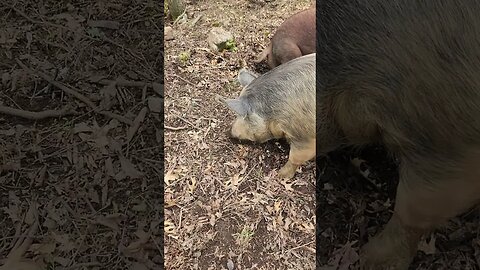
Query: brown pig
405	74
294	37
279	104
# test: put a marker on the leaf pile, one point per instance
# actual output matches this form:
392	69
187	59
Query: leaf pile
81	157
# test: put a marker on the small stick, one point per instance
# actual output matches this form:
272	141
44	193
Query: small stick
174	128
184	80
36	115
76	94
123	82
64	88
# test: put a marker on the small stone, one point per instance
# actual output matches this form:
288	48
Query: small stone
168	33
218	38
155	104
230	265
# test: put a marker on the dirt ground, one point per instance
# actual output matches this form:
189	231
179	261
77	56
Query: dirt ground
81	134
224	206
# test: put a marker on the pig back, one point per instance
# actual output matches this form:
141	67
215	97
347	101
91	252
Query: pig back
286	95
299	28
411	68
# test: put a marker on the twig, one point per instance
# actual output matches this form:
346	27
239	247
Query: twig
186	121
174	128
184	79
36	115
79	265
297	247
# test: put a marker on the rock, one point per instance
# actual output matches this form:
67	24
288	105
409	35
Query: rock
230	265
168	33
218	38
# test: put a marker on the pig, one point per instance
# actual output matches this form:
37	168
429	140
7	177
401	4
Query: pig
294	37
278	104
405	74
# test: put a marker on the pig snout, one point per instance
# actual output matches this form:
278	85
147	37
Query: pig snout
228	133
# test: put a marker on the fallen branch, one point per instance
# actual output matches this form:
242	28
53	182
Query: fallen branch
59	85
36	115
74	93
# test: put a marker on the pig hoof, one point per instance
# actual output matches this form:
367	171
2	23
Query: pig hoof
286	172
376	255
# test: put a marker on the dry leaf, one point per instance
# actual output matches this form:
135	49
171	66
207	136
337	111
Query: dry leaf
140	207
236	178
61	260
81	128
288	186
158	88
66	244
110	221
31	215
22	265
129	169
170	229
108	92
136	124
327	186
428	247
137	245
109	167
155	104
45	248
277	206
170	176
138	266
7	132
192	184
344	257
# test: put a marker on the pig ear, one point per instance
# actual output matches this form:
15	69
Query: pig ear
245	77
238	106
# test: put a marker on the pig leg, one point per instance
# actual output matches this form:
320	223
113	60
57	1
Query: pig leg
299	154
425	199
